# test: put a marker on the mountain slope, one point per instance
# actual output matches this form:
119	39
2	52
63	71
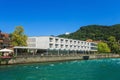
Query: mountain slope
95	32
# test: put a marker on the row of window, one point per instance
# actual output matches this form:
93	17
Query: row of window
68	41
68	46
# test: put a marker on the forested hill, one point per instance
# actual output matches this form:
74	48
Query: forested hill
95	32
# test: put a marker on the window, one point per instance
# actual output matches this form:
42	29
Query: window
81	43
74	42
66	46
51	45
93	44
93	48
56	45
81	46
70	41
75	47
78	42
66	41
87	43
61	46
51	39
56	40
61	40
87	47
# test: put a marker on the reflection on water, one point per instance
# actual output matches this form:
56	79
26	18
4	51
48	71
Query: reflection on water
102	69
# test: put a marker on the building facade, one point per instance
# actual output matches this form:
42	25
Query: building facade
57	43
4	40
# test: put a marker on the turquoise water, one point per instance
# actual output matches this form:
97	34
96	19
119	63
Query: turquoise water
103	69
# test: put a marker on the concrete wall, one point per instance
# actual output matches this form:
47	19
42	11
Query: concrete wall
41	59
31	42
34	59
42	42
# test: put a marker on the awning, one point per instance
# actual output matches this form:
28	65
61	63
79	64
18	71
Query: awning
6	50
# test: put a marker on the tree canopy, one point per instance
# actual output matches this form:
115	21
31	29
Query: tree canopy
95	32
18	37
109	34
103	47
113	44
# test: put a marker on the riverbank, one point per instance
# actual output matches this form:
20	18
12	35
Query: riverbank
54	58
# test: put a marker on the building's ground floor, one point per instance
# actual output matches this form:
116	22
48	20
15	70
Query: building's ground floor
28	51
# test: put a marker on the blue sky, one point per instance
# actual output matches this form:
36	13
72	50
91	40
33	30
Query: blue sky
54	17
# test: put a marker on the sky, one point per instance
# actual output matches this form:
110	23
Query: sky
55	17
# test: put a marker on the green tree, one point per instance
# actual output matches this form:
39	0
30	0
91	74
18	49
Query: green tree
95	32
113	44
18	37
103	47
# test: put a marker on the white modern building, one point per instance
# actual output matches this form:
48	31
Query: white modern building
50	45
57	43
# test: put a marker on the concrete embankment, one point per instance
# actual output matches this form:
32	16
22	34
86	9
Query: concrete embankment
33	59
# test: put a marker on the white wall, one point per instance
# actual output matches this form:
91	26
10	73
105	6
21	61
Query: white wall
31	42
44	42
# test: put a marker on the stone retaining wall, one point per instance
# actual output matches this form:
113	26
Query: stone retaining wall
33	59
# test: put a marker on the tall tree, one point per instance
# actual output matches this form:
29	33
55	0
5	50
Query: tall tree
103	47
113	44
18	37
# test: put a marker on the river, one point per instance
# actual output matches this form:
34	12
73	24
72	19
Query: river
101	69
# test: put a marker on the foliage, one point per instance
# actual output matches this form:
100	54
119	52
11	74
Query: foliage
113	44
103	47
18	37
98	33
0	54
95	32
